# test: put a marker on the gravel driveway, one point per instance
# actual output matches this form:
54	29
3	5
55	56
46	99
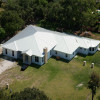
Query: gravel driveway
5	64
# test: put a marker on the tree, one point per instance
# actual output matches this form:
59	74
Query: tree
94	83
26	94
98	97
29	94
11	21
2	33
3	95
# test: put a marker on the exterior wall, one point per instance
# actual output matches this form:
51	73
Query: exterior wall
61	54
9	53
83	51
40	60
93	51
73	54
50	54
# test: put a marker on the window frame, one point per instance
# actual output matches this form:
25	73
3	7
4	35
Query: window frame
13	53
85	49
66	55
42	59
56	52
36	59
6	51
92	49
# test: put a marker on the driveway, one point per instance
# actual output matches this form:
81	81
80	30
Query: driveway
5	62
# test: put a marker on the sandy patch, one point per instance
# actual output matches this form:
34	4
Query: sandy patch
6	64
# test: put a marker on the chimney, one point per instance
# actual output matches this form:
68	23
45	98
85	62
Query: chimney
45	55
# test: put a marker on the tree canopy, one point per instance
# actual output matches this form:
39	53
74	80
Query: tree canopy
94	83
53	14
26	94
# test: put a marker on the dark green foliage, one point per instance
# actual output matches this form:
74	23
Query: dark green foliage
60	15
11	21
98	97
29	94
3	95
94	83
26	94
2	33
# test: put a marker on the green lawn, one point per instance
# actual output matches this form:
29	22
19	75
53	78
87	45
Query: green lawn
58	79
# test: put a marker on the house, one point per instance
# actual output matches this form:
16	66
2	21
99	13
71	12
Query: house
37	45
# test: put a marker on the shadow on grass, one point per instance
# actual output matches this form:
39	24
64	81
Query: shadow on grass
82	55
35	66
20	63
61	59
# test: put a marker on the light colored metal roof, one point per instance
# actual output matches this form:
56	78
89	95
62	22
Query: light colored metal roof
65	43
32	40
28	52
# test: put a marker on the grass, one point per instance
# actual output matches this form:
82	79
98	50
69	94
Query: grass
58	79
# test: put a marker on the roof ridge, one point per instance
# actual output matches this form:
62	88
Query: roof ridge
66	44
37	43
84	41
15	45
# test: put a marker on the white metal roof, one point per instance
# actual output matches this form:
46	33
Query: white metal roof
65	43
32	40
28	52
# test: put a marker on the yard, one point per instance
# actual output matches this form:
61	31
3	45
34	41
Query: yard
58	79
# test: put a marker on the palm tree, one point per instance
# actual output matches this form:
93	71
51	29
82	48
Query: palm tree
94	83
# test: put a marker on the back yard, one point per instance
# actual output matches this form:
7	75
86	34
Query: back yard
58	79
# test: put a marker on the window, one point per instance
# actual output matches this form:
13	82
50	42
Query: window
73	53
36	59
85	49
50	52
80	48
56	52
92	49
12	53
43	59
66	55
5	51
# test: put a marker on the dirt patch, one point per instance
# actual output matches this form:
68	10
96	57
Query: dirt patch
5	81
6	64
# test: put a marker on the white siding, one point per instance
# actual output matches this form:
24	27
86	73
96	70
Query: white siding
83	51
9	53
61	54
95	49
38	63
